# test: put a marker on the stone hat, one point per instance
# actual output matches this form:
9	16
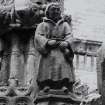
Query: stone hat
56	4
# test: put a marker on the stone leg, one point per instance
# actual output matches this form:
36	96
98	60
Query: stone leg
16	61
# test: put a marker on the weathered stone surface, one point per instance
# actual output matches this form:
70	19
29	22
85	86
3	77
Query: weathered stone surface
20	60
57	97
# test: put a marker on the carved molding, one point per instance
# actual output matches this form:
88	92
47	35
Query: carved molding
16	101
23	101
16	95
57	96
12	91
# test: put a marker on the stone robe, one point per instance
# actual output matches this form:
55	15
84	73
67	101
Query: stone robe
17	53
53	66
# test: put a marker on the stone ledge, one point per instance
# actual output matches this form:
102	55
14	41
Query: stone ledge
58	96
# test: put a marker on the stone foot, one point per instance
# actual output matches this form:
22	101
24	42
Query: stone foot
65	89
46	89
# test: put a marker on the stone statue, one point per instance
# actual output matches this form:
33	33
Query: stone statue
18	56
53	40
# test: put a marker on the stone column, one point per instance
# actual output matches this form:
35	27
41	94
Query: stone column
77	61
103	81
92	63
101	72
85	60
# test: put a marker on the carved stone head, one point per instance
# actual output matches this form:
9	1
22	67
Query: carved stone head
53	11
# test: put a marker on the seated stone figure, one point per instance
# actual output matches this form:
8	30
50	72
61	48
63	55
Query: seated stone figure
53	41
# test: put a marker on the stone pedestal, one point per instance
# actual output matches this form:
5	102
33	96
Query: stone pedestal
56	97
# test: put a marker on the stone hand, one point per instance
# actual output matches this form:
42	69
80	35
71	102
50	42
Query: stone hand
66	51
63	44
51	42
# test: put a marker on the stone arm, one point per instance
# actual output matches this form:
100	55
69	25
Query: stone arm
68	33
69	37
40	39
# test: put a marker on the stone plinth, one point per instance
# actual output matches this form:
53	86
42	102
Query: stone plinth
57	97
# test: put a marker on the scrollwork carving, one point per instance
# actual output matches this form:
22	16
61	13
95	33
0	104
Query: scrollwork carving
4	101
22	91
3	91
23	101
